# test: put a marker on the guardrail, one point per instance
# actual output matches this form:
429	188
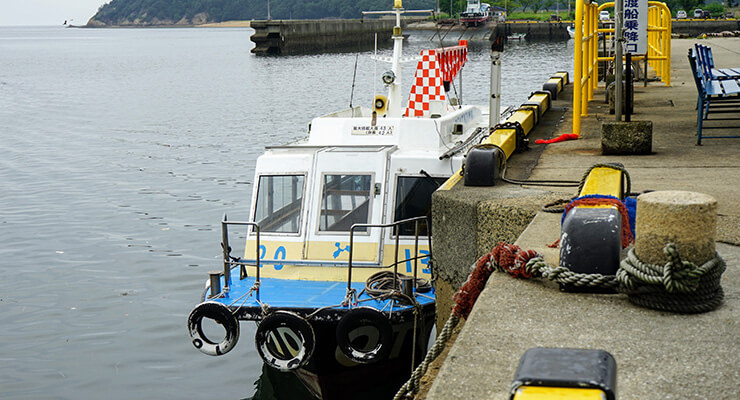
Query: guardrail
586	58
585	63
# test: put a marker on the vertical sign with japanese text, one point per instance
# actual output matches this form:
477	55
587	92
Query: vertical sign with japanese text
635	26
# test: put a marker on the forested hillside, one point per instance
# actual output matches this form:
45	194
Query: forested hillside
167	12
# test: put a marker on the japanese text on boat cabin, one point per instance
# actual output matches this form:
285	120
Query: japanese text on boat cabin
369	130
465	118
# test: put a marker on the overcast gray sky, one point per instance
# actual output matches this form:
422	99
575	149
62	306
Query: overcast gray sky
47	12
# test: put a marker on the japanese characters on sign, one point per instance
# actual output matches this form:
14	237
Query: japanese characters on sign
635	26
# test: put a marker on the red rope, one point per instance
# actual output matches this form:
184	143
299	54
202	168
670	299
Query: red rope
627	237
509	257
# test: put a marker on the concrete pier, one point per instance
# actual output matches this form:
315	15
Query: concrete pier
311	36
659	354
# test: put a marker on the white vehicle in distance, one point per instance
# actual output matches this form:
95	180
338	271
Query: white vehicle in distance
681	14
604	16
698	13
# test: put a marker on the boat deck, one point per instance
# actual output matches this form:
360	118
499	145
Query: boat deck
306	297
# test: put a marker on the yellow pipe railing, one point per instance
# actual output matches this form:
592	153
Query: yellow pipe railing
586	55
585	64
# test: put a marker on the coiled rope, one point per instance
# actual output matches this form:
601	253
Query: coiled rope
677	286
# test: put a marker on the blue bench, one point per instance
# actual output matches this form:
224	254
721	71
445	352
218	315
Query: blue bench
706	59
714	96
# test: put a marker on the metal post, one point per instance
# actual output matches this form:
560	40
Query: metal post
257	257
215	279
460	99
578	68
226	251
494	102
628	88
395	263
349	266
618	35
416	248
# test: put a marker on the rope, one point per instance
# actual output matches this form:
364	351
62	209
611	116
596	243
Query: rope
554	206
381	283
678	286
617	167
412	385
598	199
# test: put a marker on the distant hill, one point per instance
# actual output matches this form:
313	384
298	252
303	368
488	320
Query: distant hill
196	12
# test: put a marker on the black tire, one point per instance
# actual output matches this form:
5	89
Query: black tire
223	316
363	317
285	341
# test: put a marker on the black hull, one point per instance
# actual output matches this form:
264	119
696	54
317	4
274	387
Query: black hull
330	375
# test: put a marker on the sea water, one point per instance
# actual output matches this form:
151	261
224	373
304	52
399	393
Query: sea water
120	150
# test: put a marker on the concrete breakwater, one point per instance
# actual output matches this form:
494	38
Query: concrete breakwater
309	36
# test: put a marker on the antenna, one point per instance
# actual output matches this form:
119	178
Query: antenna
354	75
375	65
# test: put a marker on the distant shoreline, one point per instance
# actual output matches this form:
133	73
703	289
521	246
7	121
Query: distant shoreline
225	24
415	25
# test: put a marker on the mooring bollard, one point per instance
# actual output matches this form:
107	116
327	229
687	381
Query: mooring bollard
687	219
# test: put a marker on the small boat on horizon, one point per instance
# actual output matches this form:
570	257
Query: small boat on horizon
337	264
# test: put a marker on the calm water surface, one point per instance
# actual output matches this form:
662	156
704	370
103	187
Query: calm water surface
119	152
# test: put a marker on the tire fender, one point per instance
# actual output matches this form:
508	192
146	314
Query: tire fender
285	341
222	316
365	317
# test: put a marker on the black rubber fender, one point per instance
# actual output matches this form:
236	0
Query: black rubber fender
223	316
285	340
590	243
365	317
553	88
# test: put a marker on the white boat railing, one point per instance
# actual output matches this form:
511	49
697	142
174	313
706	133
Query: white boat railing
230	262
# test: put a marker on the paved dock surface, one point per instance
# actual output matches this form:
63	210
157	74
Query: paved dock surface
659	355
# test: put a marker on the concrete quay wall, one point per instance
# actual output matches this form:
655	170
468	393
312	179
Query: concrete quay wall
694	28
557	30
313	36
659	355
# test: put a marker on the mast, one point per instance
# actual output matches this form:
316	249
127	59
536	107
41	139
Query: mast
394	89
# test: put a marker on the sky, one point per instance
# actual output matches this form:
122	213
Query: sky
47	12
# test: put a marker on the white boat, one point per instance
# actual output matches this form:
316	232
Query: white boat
336	266
571	31
475	13
517	36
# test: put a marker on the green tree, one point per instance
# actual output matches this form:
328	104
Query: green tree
716	9
690	5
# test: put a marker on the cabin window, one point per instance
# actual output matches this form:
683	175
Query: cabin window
345	200
279	199
414	199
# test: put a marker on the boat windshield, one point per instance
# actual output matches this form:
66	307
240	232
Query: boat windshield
345	201
279	199
414	199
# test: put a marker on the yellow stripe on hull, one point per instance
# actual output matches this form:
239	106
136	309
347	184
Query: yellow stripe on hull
362	252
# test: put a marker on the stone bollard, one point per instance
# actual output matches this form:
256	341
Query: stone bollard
634	137
687	219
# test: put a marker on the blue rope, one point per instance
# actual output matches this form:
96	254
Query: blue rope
631	204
